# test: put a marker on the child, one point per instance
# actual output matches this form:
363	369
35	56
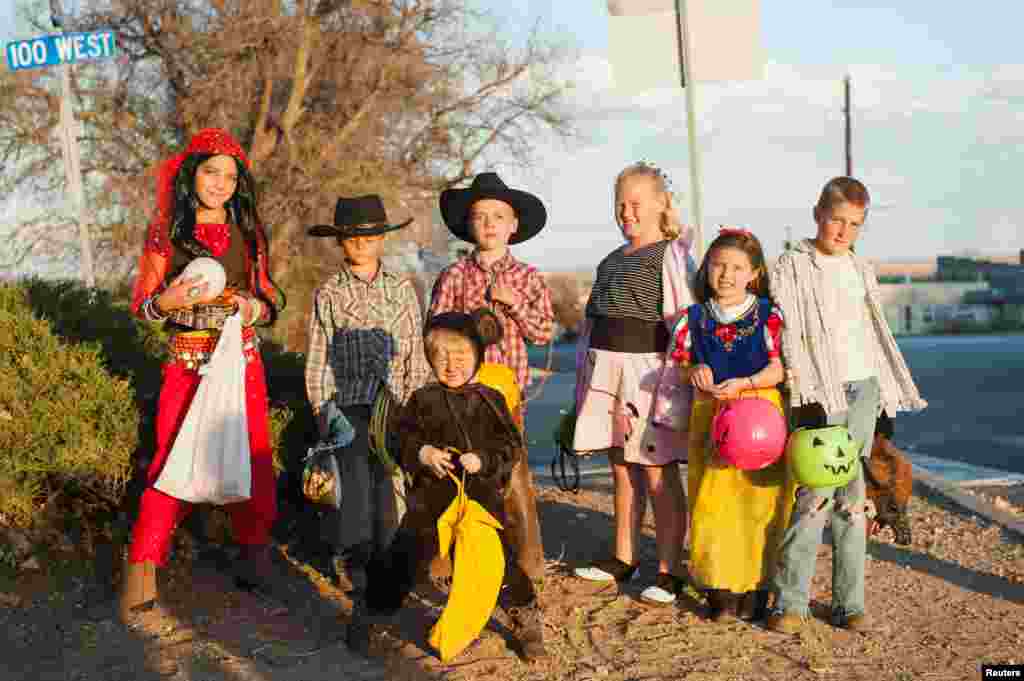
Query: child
206	206
638	294
494	216
728	345
843	367
364	346
457	412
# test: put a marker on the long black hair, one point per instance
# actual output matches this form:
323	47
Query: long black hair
241	210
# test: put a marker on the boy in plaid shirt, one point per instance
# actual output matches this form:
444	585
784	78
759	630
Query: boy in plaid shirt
493	216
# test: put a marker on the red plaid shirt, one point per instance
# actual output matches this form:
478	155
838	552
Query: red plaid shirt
463	287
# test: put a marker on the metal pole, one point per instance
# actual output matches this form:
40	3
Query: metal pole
68	132
849	126
689	86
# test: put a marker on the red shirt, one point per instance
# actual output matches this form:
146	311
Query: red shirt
463	287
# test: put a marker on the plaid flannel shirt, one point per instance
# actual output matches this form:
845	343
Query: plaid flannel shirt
363	335
464	287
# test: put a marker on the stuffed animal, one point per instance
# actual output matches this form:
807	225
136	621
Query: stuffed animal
890	480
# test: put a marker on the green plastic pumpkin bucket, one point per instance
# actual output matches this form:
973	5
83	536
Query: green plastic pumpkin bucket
823	457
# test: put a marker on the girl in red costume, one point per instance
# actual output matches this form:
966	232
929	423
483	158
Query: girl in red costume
206	206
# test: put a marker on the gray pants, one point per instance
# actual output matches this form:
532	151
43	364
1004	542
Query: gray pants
845	507
373	499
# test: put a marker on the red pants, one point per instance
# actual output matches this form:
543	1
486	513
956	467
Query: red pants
160	514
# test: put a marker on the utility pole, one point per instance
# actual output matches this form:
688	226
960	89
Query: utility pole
68	132
690	91
849	127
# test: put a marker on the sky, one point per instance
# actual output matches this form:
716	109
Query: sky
938	127
938	122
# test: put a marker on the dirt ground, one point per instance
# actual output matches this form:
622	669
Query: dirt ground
946	604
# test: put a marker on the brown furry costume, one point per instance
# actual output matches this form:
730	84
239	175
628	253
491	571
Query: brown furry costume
471	418
890	480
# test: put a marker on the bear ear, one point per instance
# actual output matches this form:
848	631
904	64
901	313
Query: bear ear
488	326
817	442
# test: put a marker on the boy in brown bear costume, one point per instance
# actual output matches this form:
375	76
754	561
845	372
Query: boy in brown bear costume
890	481
452	426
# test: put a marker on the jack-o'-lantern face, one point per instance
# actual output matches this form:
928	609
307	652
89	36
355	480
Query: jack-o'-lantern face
824	457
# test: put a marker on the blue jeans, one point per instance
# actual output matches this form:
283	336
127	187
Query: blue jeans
845	507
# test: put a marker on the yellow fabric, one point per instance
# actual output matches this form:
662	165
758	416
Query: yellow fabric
738	517
502	379
479	571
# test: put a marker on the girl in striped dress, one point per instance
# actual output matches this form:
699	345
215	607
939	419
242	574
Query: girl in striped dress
639	290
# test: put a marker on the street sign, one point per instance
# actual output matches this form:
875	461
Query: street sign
643	42
60	48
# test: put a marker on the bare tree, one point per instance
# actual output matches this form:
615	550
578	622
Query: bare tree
567	299
333	97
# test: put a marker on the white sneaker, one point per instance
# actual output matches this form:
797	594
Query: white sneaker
608	570
664	591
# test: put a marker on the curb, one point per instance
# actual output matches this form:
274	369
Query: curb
974	504
950	490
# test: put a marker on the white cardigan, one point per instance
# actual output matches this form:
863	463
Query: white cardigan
807	346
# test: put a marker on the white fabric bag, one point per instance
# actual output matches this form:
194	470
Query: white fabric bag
210	461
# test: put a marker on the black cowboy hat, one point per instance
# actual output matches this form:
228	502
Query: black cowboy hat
455	205
359	216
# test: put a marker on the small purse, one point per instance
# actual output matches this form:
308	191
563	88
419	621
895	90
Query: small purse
565	466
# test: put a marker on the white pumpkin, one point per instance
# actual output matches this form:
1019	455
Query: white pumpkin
212	273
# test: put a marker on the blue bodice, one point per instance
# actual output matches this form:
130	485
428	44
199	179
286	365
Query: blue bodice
735	350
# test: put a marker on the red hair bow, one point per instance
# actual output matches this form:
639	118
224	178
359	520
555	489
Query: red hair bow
734	231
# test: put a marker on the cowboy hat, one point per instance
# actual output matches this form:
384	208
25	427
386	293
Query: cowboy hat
455	205
359	216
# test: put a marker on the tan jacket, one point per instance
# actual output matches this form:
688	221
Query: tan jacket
808	350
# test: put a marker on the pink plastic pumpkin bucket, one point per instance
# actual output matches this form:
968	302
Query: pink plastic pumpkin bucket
749	433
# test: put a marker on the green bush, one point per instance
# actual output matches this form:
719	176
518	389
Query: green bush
69	427
79	381
292	426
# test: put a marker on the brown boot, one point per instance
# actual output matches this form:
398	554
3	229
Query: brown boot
138	589
138	605
255	571
528	628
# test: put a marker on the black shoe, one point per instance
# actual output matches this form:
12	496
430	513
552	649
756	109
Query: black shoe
724	605
753	606
358	636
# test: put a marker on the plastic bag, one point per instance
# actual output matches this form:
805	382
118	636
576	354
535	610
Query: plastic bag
321	476
478	574
210	460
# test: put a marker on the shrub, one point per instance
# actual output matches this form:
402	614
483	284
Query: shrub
69	427
79	380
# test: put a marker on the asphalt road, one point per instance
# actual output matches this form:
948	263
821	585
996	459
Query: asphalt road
972	429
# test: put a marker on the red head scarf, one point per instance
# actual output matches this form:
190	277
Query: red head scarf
207	141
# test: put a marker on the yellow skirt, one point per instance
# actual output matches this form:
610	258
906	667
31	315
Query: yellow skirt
738	517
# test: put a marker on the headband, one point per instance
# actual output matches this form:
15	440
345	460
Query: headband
734	231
